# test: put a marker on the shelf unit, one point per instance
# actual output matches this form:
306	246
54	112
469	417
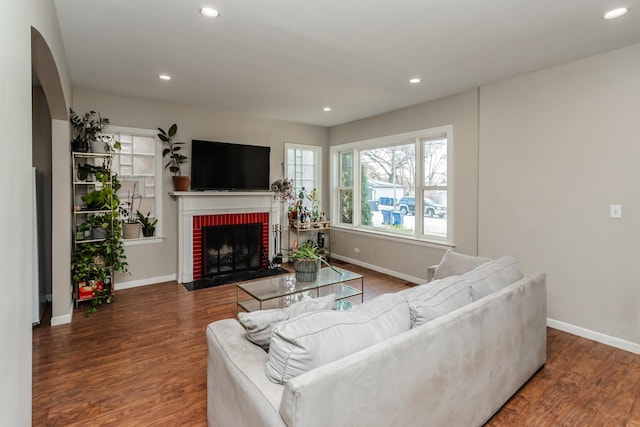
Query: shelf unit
99	282
307	230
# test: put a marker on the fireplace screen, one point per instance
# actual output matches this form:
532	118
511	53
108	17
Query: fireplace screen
231	248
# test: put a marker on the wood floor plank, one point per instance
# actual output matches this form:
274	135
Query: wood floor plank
141	361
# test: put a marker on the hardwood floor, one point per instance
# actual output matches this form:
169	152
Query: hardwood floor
141	361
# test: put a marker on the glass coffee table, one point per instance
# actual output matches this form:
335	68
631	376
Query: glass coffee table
282	291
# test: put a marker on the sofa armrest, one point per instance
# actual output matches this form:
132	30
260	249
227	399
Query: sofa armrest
430	272
238	391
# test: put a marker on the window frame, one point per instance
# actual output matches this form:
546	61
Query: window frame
416	137
317	166
158	170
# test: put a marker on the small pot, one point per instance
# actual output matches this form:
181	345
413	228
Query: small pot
181	183
98	233
98	146
79	146
131	230
306	270
148	232
99	261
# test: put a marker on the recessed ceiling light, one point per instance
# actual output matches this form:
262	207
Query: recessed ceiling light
415	80
164	77
616	13
326	109
209	11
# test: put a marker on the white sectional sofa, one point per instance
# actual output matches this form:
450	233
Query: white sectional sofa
454	369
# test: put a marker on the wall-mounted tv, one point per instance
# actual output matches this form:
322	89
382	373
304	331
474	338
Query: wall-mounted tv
230	167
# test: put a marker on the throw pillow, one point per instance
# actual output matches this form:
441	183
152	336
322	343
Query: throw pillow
315	339
437	298
259	324
455	264
493	276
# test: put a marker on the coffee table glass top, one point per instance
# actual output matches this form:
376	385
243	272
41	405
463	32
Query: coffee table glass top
279	286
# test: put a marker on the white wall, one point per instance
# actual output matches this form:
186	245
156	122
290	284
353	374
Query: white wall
411	259
16	252
159	260
557	147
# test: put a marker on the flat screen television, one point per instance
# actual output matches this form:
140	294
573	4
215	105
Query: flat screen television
230	167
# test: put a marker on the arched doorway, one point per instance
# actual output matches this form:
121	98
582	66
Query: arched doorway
51	156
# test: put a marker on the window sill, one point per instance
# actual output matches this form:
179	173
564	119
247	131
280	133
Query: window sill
143	241
433	243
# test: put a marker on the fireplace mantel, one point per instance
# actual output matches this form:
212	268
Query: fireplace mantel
199	203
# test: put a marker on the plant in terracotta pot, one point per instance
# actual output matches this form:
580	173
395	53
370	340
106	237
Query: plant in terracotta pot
306	261
148	225
176	158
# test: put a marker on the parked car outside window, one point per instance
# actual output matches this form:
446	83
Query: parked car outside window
407	205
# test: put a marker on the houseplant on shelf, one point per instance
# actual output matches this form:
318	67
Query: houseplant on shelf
103	197
306	261
86	129
93	262
180	183
148	225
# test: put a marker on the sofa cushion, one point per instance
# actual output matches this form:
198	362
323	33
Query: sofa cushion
260	323
493	276
455	264
436	298
315	339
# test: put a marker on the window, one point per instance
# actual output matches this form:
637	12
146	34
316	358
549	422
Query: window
139	168
303	164
402	184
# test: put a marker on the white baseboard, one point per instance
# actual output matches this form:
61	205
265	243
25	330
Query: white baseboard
144	282
594	336
380	269
64	319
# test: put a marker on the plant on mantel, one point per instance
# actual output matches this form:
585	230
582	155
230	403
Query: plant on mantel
176	158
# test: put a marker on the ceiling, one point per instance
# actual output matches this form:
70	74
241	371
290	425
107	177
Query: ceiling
287	59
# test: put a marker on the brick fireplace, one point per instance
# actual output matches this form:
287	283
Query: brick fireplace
202	222
201	209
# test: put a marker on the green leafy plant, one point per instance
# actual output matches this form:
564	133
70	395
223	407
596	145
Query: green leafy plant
173	151
88	127
105	196
84	170
146	220
309	251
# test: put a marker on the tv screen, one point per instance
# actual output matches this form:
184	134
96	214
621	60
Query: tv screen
226	166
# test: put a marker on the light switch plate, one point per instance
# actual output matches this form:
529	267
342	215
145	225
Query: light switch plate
615	211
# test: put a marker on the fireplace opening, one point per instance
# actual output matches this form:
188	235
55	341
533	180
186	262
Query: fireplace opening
231	248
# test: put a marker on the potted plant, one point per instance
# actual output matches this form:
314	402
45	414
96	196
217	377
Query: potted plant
130	224
148	225
306	261
180	183
86	129
98	224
